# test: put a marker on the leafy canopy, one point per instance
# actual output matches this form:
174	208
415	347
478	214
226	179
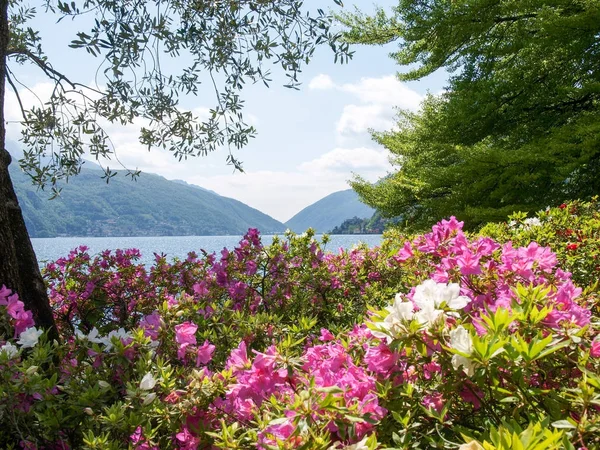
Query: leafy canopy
516	128
151	54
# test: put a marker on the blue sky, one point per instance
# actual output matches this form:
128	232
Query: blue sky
309	141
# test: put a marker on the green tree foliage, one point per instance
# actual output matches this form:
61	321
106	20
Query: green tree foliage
518	125
374	225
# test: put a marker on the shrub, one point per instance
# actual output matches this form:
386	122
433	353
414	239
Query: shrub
442	341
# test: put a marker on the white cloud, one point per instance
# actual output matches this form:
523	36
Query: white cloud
360	118
321	81
378	99
346	160
387	90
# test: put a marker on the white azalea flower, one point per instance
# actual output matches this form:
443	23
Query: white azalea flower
392	326
531	222
149	398
460	340
429	296
148	382
93	336
428	314
108	340
362	445
10	350
29	338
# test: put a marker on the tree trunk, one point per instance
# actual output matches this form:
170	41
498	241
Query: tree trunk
19	270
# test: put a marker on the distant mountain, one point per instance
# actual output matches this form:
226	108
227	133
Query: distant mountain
185	183
149	206
330	212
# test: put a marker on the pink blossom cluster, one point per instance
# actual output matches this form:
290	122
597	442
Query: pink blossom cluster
323	366
488	272
185	336
21	319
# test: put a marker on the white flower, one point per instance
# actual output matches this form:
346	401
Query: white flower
29	337
148	382
429	296
460	340
10	350
149	398
362	445
393	325
92	336
531	222
108	340
428	314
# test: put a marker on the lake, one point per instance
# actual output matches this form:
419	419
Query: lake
50	249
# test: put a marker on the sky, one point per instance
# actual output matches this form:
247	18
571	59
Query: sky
309	142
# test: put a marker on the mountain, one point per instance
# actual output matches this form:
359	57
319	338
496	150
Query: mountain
329	212
185	183
149	206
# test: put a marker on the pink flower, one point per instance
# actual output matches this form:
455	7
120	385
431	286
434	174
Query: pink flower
185	336
201	289
326	335
151	325
238	359
434	402
274	433
205	353
250	268
186	440
469	263
595	350
405	253
185	333
381	359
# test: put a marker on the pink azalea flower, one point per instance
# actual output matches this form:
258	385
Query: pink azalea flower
238	358
434	402
151	325
205	353
326	335
185	333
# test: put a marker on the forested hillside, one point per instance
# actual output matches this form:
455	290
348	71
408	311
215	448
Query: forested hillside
149	206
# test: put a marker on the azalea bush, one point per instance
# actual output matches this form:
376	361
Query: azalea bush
440	340
251	292
571	230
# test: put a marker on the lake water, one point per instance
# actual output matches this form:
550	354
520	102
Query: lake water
50	249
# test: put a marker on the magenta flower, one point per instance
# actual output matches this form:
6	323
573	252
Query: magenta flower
205	353
185	333
434	402
185	336
326	335
151	325
238	359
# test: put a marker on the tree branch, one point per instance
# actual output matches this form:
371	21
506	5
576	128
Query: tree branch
48	69
16	91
